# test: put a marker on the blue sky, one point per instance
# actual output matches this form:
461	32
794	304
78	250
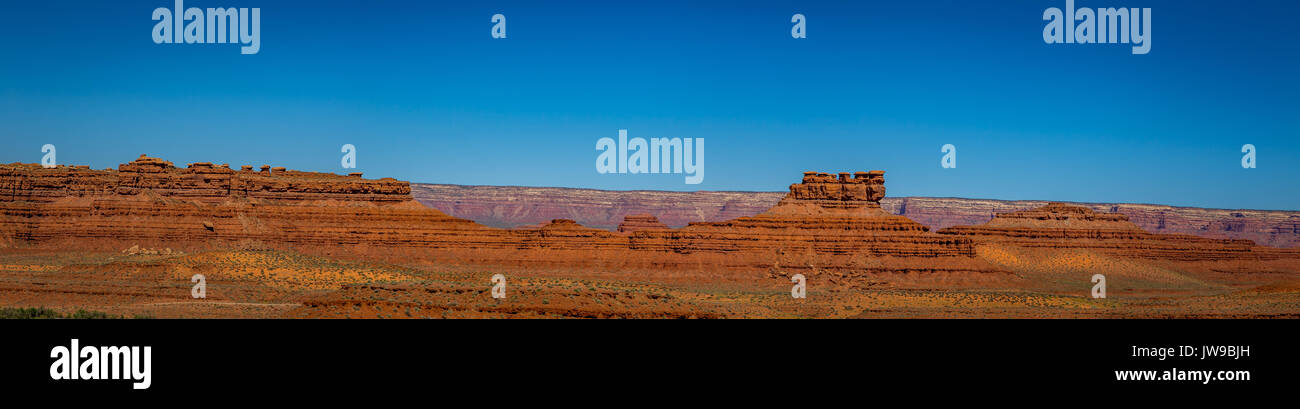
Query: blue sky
427	95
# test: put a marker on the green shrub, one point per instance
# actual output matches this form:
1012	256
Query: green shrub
28	313
12	313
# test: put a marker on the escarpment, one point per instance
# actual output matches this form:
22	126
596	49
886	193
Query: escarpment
637	222
150	202
1059	225
514	206
822	214
154	204
201	181
825	223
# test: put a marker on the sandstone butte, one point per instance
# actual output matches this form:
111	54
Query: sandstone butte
822	214
823	224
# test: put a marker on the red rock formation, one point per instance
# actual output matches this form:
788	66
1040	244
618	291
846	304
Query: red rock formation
513	206
1264	227
152	203
821	215
569	235
1058	225
863	189
638	222
822	224
200	181
510	206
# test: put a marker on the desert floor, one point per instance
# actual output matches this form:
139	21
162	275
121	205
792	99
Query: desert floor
285	284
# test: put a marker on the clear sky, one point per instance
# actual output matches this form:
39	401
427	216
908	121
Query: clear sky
427	95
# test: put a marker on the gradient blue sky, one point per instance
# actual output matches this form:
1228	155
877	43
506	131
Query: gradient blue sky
427	95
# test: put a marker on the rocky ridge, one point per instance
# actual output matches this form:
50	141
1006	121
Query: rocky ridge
199	181
824	224
840	219
637	222
512	206
1059	225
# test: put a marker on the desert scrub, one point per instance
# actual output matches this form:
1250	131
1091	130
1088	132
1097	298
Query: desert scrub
46	313
29	313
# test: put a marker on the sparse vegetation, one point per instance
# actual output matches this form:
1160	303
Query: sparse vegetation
278	283
46	313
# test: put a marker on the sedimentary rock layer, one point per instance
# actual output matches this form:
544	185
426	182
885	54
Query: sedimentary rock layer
1058	225
638	222
511	206
820	215
152	203
514	206
199	181
824	222
864	189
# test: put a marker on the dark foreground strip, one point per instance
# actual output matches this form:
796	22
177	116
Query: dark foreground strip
227	359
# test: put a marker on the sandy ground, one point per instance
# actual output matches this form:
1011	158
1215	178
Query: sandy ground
1037	283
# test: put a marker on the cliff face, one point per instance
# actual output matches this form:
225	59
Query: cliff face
509	206
820	216
1272	228
202	182
839	226
513	206
638	222
823	223
1058	225
152	203
863	189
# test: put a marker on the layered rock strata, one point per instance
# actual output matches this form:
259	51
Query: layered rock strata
512	206
638	222
150	203
822	214
1059	225
515	206
824	223
202	181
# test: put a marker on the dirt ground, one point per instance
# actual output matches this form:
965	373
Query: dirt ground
1036	283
